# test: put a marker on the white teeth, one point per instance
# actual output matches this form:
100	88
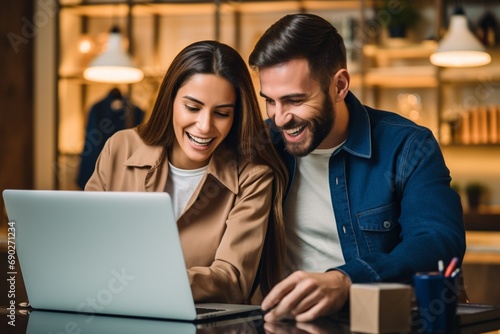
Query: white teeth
294	131
200	141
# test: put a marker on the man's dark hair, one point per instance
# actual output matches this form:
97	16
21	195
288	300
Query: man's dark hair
302	36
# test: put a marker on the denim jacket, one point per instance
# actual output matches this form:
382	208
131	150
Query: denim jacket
390	189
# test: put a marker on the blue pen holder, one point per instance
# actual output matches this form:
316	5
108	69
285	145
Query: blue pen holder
437	299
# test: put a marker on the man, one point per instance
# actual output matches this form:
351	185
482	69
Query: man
369	198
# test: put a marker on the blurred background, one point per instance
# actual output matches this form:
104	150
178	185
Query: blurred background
57	112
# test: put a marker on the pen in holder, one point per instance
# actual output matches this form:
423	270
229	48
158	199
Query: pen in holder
451	267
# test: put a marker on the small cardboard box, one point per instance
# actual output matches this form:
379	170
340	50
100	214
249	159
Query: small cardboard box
380	307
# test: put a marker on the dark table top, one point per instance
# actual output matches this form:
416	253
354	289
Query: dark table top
473	318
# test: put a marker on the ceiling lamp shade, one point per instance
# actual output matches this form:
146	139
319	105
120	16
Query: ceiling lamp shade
459	47
113	65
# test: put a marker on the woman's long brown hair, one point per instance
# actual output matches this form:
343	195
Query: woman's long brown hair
249	136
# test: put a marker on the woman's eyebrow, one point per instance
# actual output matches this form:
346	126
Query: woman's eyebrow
193	99
226	105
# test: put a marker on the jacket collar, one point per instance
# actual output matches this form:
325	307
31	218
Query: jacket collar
359	140
145	156
223	165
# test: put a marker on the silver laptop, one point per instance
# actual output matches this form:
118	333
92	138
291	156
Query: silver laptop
105	253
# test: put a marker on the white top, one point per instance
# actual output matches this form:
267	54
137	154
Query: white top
181	184
311	229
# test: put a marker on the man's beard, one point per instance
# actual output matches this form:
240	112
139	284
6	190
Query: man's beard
319	127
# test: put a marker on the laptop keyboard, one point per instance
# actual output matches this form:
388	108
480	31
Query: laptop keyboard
203	310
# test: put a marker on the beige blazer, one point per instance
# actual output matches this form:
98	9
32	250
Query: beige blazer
223	226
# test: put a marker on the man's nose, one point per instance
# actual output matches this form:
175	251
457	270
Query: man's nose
281	115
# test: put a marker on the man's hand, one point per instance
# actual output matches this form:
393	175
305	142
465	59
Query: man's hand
304	296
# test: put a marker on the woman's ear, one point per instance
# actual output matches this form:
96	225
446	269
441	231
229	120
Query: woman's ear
340	84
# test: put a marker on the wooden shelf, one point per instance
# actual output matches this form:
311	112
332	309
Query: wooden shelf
179	8
483	74
403	54
482	235
395	65
174	9
408	50
485	219
146	9
402	77
97	10
482	247
255	7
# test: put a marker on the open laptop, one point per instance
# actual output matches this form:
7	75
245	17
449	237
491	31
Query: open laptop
115	253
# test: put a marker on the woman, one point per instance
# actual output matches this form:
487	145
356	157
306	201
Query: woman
207	145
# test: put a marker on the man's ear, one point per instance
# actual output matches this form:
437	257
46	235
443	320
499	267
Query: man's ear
340	84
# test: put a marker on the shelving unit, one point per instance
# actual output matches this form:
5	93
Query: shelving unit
396	68
470	113
398	75
155	32
384	72
387	74
465	92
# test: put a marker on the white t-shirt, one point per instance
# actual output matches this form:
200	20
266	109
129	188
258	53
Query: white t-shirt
181	184
311	230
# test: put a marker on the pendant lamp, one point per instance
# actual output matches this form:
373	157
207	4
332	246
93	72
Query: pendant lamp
459	47
113	65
